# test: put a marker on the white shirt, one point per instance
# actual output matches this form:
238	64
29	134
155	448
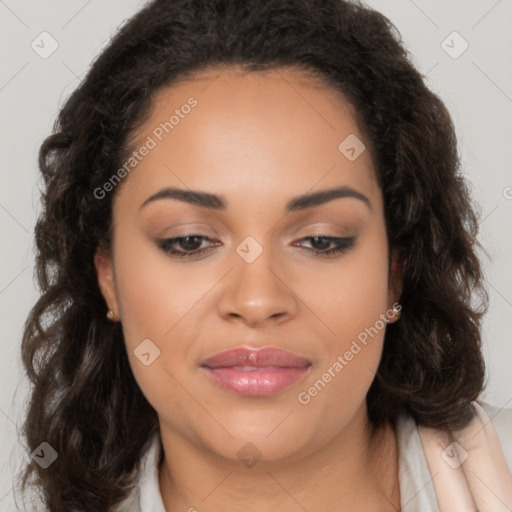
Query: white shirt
417	489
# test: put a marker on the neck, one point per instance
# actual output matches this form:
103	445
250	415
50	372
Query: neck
357	470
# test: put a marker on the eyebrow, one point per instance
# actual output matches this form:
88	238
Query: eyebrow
303	202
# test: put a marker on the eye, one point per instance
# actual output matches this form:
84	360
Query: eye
341	244
189	246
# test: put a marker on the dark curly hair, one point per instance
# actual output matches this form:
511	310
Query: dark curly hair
84	399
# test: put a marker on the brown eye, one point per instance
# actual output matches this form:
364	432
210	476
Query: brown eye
189	244
322	242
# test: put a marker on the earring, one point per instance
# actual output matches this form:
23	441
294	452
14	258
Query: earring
110	315
395	314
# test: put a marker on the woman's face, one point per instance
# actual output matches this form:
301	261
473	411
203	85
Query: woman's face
252	144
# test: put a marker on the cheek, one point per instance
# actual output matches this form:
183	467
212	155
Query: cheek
352	294
154	294
154	304
351	300
160	300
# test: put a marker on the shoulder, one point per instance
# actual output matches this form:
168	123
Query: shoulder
501	419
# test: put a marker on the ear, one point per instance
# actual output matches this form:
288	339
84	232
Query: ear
106	280
396	277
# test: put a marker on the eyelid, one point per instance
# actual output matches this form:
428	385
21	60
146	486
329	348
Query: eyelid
324	229
187	229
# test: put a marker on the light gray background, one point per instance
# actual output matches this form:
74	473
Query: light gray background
476	87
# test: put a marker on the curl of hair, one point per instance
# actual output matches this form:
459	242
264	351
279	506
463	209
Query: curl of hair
84	400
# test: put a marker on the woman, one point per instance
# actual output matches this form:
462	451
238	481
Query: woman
259	281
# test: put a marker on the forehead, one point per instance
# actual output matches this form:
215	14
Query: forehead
269	133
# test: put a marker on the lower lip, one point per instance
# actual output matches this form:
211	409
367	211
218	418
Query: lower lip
258	382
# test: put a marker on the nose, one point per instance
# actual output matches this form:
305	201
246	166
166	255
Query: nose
258	293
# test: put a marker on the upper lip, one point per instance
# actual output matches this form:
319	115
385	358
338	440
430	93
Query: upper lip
260	358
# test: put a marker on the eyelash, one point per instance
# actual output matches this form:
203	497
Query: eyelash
167	245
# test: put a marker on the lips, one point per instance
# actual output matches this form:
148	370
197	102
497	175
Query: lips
251	372
262	358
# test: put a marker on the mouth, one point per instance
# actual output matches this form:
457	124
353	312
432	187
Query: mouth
252	372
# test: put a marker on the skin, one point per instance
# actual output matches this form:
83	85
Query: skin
258	140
